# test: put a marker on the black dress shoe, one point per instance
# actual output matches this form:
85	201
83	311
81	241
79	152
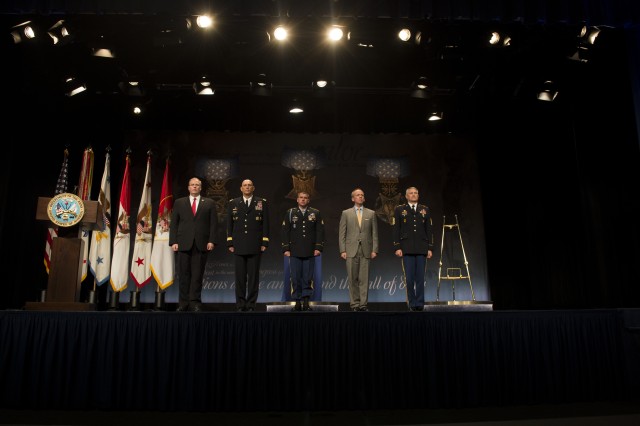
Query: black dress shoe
240	309
197	308
355	309
249	309
182	308
305	304
363	309
297	306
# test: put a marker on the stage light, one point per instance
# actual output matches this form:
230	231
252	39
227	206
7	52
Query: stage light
203	86
102	48
280	33
421	88
499	39
73	86
296	107
322	87
261	86
404	34
548	92
103	52
590	34
23	31
204	21
587	42
59	32
335	33
132	87
435	116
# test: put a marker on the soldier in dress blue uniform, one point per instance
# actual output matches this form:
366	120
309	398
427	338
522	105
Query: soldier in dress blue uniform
247	238
302	241
413	242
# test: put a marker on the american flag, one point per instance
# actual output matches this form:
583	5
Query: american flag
61	187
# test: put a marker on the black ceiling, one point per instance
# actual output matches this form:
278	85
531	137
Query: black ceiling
372	70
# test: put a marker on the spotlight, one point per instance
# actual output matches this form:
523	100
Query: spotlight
587	38
335	33
280	33
322	87
435	116
548	92
421	88
204	21
261	86
203	86
103	52
296	107
74	86
404	34
131	87
22	32
102	48
590	35
59	32
499	39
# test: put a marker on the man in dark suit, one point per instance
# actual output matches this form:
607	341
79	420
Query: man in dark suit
358	242
192	236
247	238
302	240
413	242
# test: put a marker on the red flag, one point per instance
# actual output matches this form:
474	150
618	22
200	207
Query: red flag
61	187
122	240
162	257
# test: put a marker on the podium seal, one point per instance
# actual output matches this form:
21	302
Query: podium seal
65	209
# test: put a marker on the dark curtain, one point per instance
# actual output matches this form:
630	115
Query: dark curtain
320	361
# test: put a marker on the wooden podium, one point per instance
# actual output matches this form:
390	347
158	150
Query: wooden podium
65	272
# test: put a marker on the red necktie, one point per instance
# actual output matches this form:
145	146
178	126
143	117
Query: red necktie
193	206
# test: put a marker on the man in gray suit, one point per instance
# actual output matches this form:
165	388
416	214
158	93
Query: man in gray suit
358	240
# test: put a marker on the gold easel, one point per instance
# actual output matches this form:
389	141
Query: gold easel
453	274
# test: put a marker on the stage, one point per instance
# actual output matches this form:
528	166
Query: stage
315	361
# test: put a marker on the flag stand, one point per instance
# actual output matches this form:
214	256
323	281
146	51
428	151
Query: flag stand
159	303
114	301
92	293
134	301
